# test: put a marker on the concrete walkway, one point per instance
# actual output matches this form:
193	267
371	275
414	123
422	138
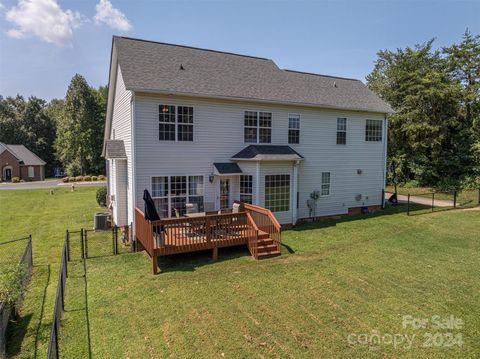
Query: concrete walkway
427	201
48	184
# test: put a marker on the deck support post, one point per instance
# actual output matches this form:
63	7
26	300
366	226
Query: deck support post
215	254
154	264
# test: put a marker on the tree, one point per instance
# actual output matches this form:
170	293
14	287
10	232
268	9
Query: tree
464	66
28	123
426	131
78	129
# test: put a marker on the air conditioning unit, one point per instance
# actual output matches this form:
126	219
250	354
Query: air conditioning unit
102	221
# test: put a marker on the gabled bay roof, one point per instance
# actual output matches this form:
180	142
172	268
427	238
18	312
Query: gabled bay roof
267	152
149	66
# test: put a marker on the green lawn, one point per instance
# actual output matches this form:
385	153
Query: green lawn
334	279
46	217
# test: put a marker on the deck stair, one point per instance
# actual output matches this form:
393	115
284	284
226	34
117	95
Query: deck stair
266	247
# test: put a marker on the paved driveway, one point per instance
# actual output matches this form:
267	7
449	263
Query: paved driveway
427	201
47	184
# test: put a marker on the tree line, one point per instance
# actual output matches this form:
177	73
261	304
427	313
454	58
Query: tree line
434	133
65	132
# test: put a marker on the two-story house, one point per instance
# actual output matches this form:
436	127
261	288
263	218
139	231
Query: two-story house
204	127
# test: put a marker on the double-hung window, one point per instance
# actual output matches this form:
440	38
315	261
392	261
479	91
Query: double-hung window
341	131
277	192
175	123
257	127
246	189
172	193
325	184
294	129
373	130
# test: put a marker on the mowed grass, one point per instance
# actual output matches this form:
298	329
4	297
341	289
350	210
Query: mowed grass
356	276
359	275
46	216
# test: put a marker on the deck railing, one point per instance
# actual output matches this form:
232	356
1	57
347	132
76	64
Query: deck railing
189	234
265	221
144	232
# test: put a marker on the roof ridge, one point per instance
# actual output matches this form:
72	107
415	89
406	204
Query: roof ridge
322	75
194	48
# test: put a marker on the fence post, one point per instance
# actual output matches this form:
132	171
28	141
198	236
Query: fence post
454	199
433	200
30	256
408	205
85	242
67	238
81	243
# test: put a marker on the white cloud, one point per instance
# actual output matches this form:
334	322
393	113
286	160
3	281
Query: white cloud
43	19
107	14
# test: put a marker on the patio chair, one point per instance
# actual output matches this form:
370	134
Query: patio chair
192	207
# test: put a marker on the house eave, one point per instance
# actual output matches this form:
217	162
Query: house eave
252	99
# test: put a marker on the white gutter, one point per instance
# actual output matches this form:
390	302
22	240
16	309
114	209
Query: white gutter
239	98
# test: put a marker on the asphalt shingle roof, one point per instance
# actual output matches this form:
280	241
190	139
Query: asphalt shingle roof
24	155
115	149
227	168
160	67
252	151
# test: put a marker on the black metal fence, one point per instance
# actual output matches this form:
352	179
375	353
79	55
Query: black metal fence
53	350
442	200
82	244
26	261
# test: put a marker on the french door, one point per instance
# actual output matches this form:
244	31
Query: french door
224	193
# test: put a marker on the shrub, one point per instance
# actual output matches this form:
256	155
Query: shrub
102	196
87	178
412	184
94	178
71	179
65	179
15	179
79	178
102	178
12	286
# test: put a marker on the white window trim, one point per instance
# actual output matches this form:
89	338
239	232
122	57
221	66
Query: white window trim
258	127
240	193
365	130
169	197
346	131
329	184
176	122
299	128
290	204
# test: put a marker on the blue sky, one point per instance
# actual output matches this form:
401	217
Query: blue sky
43	43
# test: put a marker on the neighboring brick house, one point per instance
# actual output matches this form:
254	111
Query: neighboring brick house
19	161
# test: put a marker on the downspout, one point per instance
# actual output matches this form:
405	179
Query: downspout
257	184
134	162
295	193
385	145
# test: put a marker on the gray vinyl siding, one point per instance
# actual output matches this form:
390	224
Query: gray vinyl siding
219	134
121	124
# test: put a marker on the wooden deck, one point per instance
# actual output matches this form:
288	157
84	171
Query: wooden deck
254	226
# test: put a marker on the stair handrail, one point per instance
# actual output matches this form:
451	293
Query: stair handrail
253	240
